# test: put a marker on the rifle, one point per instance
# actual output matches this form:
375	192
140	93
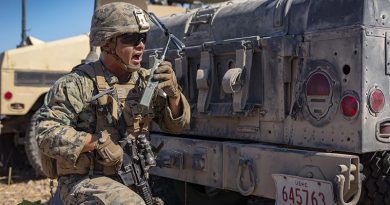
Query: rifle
138	156
152	85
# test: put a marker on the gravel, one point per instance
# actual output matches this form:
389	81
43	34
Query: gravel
24	187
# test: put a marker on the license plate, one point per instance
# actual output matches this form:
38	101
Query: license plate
294	190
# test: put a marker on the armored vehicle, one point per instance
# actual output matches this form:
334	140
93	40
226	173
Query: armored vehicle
288	102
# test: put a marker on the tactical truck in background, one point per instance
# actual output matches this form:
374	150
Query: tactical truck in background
26	75
289	102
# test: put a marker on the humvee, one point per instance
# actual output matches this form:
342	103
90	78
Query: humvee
289	102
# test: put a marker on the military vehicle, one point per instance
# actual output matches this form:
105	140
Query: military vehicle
288	103
27	73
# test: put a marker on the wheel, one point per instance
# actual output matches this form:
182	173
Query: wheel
31	147
376	187
174	192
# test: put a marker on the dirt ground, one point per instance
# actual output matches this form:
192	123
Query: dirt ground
24	187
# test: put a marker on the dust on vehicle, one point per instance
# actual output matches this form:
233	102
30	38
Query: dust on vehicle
288	102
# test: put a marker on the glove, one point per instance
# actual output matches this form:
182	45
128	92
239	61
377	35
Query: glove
110	154
167	78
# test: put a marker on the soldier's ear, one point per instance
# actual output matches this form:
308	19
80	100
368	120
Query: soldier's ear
109	47
105	49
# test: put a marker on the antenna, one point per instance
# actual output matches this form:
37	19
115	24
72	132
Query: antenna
24	35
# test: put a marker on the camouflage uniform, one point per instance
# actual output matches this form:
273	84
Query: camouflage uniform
67	117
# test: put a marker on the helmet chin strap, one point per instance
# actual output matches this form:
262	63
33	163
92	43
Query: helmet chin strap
112	50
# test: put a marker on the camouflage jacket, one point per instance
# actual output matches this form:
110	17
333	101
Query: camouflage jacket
66	117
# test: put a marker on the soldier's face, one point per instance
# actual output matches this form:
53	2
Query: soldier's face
130	48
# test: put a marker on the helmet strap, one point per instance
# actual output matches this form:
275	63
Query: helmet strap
112	50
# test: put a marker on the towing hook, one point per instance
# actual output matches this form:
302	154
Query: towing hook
245	164
340	180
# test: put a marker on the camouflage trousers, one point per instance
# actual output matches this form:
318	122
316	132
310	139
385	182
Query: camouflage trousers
98	189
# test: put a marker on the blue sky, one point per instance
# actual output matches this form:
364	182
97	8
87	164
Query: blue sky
47	20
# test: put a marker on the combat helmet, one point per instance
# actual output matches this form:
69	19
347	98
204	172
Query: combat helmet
114	19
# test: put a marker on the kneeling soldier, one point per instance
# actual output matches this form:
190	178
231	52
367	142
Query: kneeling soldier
81	131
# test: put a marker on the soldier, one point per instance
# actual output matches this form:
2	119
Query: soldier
82	135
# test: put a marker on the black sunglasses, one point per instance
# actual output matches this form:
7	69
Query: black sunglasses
133	39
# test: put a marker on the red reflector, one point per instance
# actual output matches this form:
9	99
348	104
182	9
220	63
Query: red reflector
318	84
8	95
376	100
349	106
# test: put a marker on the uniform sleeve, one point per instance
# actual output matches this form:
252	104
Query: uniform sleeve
56	121
165	119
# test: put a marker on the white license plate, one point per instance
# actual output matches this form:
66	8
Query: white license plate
294	190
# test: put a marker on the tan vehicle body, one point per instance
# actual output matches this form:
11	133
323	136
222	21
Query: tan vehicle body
40	60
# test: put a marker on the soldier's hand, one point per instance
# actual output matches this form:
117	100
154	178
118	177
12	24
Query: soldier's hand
167	79
110	153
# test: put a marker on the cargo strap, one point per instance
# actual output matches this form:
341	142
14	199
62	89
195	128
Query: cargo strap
243	61
203	80
236	80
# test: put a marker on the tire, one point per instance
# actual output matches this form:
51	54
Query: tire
31	147
376	187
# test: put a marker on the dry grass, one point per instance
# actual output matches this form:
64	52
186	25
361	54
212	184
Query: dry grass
24	187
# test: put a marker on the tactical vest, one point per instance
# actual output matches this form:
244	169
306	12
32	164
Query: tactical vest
126	96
